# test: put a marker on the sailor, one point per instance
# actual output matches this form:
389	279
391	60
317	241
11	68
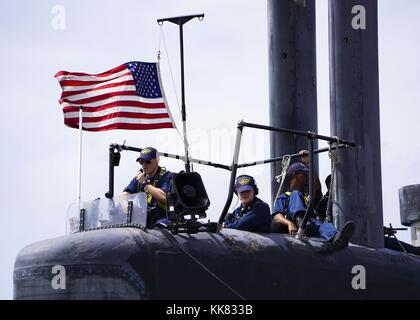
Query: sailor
304	158
290	208
155	181
253	214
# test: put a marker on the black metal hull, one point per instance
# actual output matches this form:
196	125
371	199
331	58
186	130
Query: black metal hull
128	263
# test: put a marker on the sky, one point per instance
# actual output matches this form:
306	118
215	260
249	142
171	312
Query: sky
226	77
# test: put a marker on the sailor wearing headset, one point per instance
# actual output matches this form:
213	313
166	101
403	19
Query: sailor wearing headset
253	214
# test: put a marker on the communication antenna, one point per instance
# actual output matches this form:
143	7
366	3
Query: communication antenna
180	21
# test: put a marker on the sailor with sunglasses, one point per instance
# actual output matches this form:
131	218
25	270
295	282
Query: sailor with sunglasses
155	181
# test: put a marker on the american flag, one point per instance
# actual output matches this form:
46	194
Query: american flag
129	96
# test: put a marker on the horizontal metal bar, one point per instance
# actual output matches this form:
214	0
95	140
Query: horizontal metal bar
175	156
308	134
181	19
219	165
293	156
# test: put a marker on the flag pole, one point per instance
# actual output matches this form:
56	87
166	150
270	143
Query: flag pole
180	21
79	189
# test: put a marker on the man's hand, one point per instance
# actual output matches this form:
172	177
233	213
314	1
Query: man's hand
292	227
230	217
304	157
141	177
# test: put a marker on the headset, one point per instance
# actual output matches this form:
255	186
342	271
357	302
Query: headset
252	183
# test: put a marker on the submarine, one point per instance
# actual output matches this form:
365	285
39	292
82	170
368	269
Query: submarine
115	256
122	259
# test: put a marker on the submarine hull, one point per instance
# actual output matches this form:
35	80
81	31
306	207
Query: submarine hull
129	263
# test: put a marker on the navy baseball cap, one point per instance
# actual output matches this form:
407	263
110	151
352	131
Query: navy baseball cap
297	167
244	183
147	154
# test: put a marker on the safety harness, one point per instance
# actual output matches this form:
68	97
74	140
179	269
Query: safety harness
153	181
288	194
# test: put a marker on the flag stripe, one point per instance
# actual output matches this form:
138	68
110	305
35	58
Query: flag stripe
126	115
117	99
127	110
95	77
127	97
115	72
128	126
112	88
133	104
69	83
84	85
109	121
100	97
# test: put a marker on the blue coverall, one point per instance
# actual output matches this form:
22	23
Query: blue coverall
255	217
294	205
161	180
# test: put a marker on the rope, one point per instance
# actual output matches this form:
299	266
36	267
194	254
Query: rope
174	241
159	41
333	156
162	36
285	163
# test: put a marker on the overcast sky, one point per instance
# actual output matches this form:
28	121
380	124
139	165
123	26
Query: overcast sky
226	78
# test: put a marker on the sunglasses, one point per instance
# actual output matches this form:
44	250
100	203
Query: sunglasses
145	161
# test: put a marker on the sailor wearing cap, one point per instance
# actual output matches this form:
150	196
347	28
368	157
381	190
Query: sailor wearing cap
155	181
253	214
290	208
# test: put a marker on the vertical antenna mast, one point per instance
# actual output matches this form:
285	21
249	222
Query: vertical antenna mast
180	21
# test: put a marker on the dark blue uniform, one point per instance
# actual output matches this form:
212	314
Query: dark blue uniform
255	217
161	180
293	204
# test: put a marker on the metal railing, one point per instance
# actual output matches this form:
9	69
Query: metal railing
310	138
116	149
